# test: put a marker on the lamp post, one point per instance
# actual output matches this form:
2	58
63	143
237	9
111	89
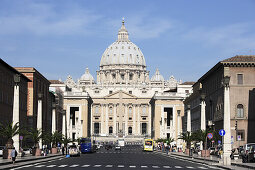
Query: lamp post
226	122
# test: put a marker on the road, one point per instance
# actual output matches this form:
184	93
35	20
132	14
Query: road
130	157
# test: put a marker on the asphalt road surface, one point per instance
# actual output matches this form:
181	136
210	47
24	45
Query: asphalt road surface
130	157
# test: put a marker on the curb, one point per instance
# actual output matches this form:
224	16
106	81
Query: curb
31	159
243	165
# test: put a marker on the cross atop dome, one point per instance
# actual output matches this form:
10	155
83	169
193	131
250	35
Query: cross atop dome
123	33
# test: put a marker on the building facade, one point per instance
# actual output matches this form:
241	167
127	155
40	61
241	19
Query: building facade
124	100
7	83
241	70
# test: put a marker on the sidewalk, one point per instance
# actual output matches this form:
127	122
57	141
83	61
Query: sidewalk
212	160
7	163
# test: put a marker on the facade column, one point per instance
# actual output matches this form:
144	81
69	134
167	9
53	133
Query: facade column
188	119
15	116
226	122
39	116
53	120
162	123
114	119
64	124
179	127
203	119
106	120
149	122
91	121
102	119
138	121
134	132
68	122
126	120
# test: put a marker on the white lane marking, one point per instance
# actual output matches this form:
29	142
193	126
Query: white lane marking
39	166
97	166
37	163
190	167
50	166
62	166
109	166
201	167
144	166
49	161
155	166
132	166
121	166
60	158
166	167
72	166
178	167
85	166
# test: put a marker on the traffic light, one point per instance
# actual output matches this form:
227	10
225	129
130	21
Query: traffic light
236	125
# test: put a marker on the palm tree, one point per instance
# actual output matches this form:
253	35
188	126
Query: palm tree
8	131
56	138
187	137
65	141
35	135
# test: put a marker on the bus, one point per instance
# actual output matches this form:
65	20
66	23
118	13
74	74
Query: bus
87	145
148	145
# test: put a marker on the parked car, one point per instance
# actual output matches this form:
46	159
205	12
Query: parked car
27	151
212	150
117	147
1	150
74	150
248	152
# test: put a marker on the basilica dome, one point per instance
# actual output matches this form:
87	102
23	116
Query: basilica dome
123	52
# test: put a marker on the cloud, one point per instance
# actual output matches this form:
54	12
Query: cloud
41	19
233	38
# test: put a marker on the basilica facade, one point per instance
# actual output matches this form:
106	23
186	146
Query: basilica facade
124	102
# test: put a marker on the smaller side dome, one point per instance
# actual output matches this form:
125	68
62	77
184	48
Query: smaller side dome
86	77
157	76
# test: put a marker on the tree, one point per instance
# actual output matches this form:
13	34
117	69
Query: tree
8	131
35	135
187	137
56	138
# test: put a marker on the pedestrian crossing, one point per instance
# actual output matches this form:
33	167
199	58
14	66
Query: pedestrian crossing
98	166
122	152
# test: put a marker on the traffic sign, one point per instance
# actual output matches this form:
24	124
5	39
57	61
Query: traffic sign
210	135
21	137
239	137
219	142
213	141
222	132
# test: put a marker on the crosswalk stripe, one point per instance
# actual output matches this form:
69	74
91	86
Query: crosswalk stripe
97	165
201	167
85	166
190	167
62	166
132	166
50	166
39	166
72	166
166	167
178	167
155	166
144	166
121	166
109	166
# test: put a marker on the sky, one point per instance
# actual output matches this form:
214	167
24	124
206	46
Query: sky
182	38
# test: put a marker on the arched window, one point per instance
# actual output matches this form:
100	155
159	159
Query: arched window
110	130
240	113
144	110
110	110
130	130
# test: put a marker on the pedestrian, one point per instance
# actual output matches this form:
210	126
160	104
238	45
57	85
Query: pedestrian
14	155
63	150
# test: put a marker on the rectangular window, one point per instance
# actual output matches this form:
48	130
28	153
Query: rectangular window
130	92
186	91
96	128
130	118
240	135
110	118
144	128
239	78
110	92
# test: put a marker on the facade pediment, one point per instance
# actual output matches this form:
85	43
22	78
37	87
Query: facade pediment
120	94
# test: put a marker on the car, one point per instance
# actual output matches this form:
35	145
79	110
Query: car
108	146
74	150
1	150
248	152
212	150
27	151
118	147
